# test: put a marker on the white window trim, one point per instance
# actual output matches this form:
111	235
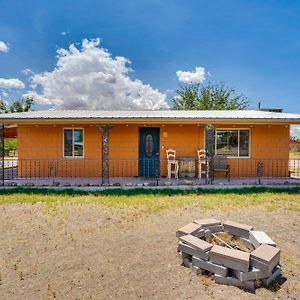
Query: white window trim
238	130
63	145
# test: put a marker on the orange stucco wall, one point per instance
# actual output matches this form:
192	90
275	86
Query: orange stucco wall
41	150
124	146
269	144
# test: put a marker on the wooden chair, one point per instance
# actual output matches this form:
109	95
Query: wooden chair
220	164
171	161
201	162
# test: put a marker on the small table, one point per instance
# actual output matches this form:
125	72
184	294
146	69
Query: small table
187	167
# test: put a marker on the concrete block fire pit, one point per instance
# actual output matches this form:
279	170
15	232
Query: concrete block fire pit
235	253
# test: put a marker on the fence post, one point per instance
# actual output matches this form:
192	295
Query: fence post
259	170
2	154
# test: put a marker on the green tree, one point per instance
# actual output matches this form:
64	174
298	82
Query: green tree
10	145
213	96
21	105
295	138
3	107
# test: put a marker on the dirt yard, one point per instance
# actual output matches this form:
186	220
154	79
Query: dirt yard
93	251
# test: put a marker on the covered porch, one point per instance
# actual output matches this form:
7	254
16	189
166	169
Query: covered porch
57	173
131	148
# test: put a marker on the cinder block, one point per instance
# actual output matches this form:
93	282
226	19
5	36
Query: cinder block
216	228
190	228
247	242
266	269
260	237
237	229
184	255
199	233
233	259
186	262
208	235
196	243
195	270
249	285
209	266
265	258
207	222
192	251
276	272
253	274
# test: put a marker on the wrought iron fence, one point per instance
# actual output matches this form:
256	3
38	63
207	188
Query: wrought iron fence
133	169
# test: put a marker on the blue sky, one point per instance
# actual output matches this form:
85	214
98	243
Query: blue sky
253	46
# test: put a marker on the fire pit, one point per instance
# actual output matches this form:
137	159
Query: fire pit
234	252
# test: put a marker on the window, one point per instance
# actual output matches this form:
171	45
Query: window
149	145
233	142
73	142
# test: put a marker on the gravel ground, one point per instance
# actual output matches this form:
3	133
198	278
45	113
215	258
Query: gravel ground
87	251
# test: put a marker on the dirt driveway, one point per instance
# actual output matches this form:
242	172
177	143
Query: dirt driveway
88	251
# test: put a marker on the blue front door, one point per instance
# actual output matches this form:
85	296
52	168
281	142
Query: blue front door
149	152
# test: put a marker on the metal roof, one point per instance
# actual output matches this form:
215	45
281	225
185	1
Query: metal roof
192	115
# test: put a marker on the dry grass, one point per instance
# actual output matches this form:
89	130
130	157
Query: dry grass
149	203
92	246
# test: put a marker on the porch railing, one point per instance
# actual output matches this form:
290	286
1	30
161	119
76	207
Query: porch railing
27	169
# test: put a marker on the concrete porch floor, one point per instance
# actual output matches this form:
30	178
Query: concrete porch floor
140	182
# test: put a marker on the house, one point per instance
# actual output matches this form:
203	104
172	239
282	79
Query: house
294	145
113	144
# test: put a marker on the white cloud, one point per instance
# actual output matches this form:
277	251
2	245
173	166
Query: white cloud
4	94
27	71
63	33
192	77
12	83
3	47
90	78
295	130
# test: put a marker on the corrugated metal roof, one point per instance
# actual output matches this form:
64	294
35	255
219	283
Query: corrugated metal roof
153	115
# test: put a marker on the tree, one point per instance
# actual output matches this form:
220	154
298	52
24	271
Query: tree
213	96
21	105
10	145
295	138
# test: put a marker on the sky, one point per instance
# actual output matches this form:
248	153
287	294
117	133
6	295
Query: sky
134	54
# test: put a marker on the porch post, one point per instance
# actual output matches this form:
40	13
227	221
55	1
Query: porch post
210	151
105	130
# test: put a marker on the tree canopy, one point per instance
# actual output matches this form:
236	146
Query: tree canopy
213	96
21	105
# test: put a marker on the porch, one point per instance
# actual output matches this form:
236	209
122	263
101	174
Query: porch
84	173
139	182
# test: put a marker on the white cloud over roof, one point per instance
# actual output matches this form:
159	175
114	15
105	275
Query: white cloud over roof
11	83
89	77
197	76
3	47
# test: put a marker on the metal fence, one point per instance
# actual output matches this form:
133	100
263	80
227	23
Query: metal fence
132	169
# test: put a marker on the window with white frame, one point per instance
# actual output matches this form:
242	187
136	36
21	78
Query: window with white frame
73	143
232	142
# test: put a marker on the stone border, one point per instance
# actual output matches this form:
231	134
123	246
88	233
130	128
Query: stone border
229	265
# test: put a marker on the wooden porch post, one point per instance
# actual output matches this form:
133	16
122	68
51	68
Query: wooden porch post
2	155
210	151
105	130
